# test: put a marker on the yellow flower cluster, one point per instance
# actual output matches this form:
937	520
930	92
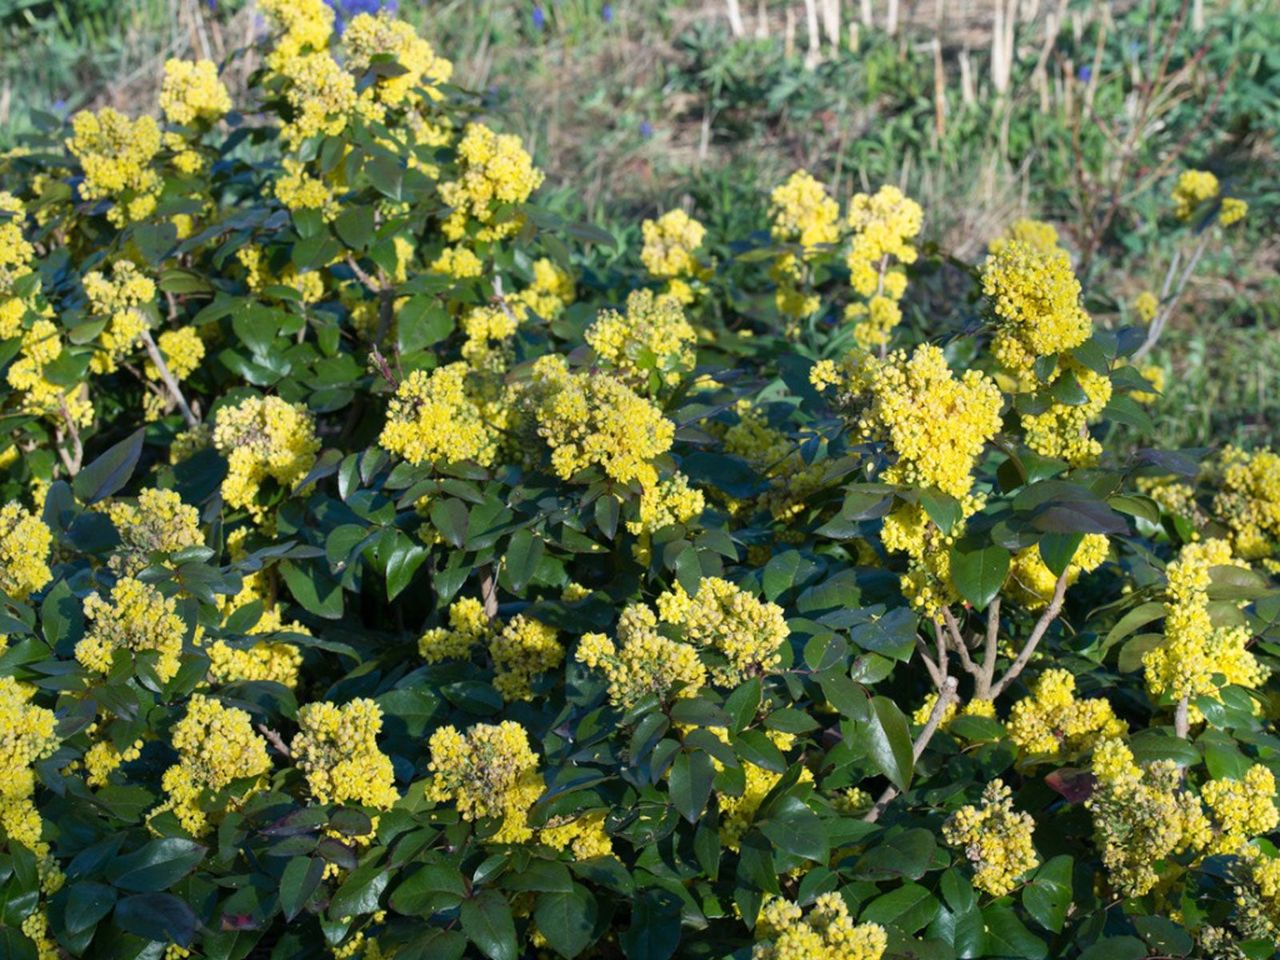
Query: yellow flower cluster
368	36
137	618
191	92
551	291
308	283
432	419
1193	188
299	190
1194	653
934	424
468	627
321	94
337	748
104	758
159	522
1146	305
182	350
670	252
802	212
584	836
303	24
1053	723
883	225
275	662
995	838
974	708
1036	234
524	649
493	170
670	502
115	154
670	245
1061	430
216	746
1257	896
784	932
118	300
263	437
642	661
1036	296
743	635
16	258
25	543
1233	210
652	345
1031	584
1140	816
594	419
490	771
1248	501
1153	373
1241	809
42	346
26	736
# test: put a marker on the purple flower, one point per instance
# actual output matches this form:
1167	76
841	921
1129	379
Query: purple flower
344	10
59	105
607	13
646	129
539	18
1085	73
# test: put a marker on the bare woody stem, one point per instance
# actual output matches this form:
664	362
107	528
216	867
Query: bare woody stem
946	696
275	740
1170	303
1037	634
489	592
71	460
1182	717
167	377
988	675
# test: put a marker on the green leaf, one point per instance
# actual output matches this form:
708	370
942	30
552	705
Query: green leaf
1115	948
979	572
109	472
888	741
908	908
524	553
487	922
449	516
903	855
434	887
314	587
567	920
743	704
654	933
354	226
161	917
360	892
87	903
1048	896
301	877
1007	936
795	829
157	866
690	783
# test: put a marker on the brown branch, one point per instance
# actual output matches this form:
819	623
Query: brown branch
989	651
957	641
489	592
169	380
934	674
275	740
946	696
1037	633
75	458
1182	718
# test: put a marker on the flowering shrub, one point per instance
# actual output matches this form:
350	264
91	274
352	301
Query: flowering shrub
385	575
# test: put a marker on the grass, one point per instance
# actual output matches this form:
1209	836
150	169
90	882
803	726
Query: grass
654	104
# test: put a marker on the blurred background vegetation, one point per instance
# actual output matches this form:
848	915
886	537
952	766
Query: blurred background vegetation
1076	111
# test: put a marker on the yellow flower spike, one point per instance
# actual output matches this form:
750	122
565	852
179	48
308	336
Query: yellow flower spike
995	838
